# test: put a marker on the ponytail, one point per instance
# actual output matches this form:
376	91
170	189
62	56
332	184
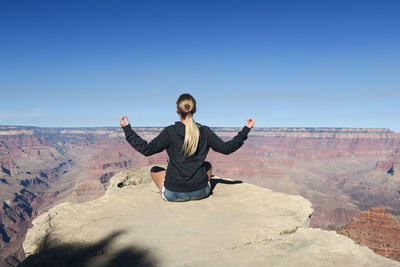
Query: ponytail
187	107
192	135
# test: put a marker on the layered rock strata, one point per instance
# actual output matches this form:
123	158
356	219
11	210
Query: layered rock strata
238	225
377	230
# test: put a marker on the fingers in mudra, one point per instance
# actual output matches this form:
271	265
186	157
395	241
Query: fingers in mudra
250	123
124	120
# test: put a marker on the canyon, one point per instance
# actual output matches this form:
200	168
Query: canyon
342	171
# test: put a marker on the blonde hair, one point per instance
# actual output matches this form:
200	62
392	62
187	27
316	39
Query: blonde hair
187	107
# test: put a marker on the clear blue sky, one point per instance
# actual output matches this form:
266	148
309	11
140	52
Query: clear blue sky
284	63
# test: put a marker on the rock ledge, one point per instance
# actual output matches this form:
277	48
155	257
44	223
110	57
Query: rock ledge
240	224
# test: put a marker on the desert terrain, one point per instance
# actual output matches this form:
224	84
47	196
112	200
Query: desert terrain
342	171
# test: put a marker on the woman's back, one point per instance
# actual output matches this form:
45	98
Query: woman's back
185	174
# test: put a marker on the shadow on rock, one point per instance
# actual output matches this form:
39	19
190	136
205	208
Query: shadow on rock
214	182
53	253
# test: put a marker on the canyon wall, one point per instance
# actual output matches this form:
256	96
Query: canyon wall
377	230
341	171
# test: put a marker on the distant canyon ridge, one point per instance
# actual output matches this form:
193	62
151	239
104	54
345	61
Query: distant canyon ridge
342	171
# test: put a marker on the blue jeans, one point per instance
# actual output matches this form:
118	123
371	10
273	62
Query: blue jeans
185	196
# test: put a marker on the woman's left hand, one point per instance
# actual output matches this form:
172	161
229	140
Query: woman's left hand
250	123
124	121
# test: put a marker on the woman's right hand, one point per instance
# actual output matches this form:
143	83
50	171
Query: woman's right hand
124	121
250	123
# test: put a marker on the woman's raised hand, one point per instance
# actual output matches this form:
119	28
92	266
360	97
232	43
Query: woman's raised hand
123	121
250	123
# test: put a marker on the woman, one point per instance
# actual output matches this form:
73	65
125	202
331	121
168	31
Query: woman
187	143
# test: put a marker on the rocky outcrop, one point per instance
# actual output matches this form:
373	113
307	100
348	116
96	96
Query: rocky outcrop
377	230
238	225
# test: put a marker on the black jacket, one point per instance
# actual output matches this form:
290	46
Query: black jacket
184	174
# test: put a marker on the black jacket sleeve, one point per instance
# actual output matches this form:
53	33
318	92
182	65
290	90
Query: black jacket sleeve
217	144
156	145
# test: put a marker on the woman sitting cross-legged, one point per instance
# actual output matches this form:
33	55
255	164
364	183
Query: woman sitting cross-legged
188	175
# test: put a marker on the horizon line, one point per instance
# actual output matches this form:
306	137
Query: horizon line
271	127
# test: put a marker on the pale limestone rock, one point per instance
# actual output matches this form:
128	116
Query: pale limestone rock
131	177
239	225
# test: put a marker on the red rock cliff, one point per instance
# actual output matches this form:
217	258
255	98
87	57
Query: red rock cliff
377	230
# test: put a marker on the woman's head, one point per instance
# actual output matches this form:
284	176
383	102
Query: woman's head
186	105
